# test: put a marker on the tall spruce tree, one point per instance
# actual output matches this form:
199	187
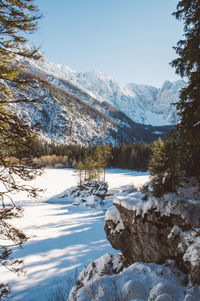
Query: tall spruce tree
105	156
188	65
164	165
17	17
172	164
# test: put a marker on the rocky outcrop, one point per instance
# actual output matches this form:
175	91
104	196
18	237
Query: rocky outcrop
157	230
89	193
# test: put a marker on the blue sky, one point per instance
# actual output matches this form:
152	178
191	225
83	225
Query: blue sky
130	40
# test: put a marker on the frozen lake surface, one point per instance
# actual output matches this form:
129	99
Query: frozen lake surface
64	238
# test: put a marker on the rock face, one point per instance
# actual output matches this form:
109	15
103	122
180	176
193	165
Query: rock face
154	232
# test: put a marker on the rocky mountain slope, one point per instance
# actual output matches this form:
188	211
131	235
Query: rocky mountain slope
141	103
68	114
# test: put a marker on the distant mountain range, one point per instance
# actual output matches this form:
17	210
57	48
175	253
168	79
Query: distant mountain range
92	108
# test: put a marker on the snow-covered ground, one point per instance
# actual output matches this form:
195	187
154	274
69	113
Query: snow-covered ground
64	237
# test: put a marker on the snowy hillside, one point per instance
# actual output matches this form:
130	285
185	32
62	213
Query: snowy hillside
141	103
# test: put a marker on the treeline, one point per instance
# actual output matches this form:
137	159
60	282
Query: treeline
132	156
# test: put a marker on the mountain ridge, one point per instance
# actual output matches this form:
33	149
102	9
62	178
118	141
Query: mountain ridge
92	108
141	103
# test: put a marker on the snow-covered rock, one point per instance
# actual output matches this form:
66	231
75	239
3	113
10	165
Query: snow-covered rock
89	193
108	279
113	214
156	230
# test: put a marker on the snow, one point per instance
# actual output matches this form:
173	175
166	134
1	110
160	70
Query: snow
189	244
171	203
105	264
139	281
192	253
113	214
119	178
174	232
64	237
157	133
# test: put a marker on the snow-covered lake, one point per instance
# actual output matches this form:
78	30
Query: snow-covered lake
64	238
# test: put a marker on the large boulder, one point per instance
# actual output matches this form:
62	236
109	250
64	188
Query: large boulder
157	230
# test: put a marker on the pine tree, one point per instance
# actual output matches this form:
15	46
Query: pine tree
157	167
99	158
80	171
106	157
103	155
90	167
132	159
188	65
16	138
164	165
172	164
